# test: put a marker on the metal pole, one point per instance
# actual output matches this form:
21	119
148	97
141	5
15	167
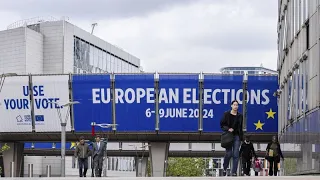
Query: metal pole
140	167
63	149
156	92
244	101
12	169
30	170
200	120
113	86
48	171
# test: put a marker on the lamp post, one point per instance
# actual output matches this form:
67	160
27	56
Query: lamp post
143	147
3	77
63	134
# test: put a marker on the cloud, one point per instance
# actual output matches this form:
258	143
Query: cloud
172	35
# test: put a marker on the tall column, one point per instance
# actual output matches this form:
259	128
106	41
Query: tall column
14	154
306	156
158	152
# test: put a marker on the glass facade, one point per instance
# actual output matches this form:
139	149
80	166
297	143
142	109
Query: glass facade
91	59
250	70
298	100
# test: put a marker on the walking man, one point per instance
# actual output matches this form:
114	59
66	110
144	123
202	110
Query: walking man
82	152
246	153
232	122
98	155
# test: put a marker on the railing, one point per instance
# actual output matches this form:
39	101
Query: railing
35	20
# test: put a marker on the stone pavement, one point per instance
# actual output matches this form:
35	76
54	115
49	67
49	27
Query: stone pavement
181	178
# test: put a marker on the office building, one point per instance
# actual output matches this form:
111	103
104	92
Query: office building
298	95
249	70
51	46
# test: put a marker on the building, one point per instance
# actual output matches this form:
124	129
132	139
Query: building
47	46
249	70
51	46
298	95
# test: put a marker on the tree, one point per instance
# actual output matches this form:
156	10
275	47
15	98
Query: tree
290	166
3	148
186	167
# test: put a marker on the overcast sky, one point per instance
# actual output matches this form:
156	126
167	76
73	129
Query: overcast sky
170	35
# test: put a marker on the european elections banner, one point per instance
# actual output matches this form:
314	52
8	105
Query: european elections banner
15	106
93	93
135	102
50	93
218	93
178	102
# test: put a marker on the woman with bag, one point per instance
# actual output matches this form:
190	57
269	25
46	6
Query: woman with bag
273	154
231	125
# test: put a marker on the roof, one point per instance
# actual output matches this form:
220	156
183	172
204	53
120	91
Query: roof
247	67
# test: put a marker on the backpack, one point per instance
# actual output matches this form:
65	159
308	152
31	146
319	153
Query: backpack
257	164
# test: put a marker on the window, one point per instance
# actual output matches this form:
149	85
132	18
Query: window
289	84
284	35
307	35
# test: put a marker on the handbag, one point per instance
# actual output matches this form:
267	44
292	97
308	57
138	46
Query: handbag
227	138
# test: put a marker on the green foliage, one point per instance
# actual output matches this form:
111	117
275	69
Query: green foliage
4	147
290	166
186	167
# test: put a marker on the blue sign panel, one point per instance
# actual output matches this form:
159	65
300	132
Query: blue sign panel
94	94
178	103
262	104
48	145
135	102
220	91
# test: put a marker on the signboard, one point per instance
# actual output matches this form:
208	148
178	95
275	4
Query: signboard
50	93
15	113
178	103
93	93
135	102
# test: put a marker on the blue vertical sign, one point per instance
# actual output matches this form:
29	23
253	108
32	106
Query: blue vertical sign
178	103
94	94
262	104
135	102
218	93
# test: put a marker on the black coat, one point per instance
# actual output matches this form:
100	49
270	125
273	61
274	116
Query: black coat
247	151
225	123
277	158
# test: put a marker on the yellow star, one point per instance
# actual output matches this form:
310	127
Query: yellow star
73	145
270	114
258	125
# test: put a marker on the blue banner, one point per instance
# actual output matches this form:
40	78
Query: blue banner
93	93
178	103
135	102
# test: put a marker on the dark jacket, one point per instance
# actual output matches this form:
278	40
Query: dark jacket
82	151
247	151
277	158
225	123
99	152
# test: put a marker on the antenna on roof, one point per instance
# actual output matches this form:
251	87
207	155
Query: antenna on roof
261	65
93	25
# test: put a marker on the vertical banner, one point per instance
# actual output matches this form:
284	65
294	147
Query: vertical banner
219	91
135	102
15	106
94	94
178	102
50	93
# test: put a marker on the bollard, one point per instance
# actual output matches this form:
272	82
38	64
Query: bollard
73	162
12	169
48	171
30	170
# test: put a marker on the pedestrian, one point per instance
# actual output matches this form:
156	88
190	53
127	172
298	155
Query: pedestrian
82	152
98	155
273	155
231	123
247	153
257	166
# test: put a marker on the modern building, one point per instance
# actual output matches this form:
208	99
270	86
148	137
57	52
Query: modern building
298	95
48	45
249	70
51	46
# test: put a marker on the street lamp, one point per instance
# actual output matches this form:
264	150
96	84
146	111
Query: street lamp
63	133
143	147
104	126
3	77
